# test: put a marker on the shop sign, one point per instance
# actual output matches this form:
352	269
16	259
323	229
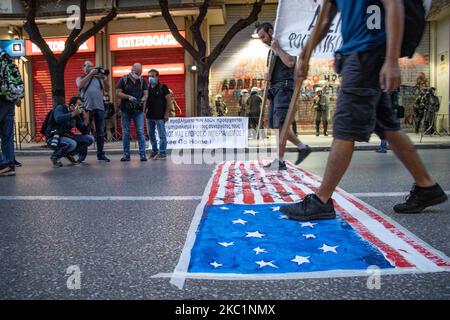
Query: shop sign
15	48
57	46
137	41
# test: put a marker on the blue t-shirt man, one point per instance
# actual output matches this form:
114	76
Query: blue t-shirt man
360	31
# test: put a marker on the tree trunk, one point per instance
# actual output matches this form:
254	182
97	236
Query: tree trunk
57	77
203	108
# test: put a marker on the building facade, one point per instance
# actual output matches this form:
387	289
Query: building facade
140	34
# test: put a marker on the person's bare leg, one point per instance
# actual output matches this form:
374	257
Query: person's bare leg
405	151
290	137
338	161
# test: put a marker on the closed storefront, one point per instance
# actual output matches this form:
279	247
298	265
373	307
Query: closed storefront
155	50
42	88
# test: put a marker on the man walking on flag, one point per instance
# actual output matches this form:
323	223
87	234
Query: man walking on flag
369	67
280	93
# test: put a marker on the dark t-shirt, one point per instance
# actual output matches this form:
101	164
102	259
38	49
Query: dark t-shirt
281	72
135	89
156	102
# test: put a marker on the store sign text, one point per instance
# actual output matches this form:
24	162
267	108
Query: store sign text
57	46
143	41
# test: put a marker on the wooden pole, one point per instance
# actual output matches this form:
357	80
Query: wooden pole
298	85
265	95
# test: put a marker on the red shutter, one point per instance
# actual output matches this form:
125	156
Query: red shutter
155	56
42	87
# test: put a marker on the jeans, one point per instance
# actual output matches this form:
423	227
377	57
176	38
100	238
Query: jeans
138	118
152	125
98	117
383	145
77	144
7	109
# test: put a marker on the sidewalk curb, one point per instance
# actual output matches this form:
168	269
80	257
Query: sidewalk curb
47	152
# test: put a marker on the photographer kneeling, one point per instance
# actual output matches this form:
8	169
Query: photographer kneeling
59	132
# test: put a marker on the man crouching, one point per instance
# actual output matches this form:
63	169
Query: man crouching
59	132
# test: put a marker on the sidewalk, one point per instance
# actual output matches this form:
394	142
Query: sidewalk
320	143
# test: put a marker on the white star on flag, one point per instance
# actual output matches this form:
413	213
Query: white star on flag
255	234
240	221
259	250
226	244
283	216
326	248
263	264
276	208
300	260
216	265
308	224
224	208
250	212
308	236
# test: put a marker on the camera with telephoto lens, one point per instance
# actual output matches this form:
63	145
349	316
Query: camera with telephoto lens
54	142
102	71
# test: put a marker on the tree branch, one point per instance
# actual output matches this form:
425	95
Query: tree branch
76	31
196	31
72	49
238	26
33	31
164	4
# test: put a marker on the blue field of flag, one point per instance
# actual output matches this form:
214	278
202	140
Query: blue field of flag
258	239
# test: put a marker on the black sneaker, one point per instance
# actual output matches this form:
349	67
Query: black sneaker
276	165
55	161
7	171
311	208
103	158
302	155
17	163
72	159
421	198
125	159
153	154
160	156
143	158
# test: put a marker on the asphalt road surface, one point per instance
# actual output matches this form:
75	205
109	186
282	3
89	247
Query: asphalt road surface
120	244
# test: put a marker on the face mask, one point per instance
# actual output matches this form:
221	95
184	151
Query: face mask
135	76
152	80
87	69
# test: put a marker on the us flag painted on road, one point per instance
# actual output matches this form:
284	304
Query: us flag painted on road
238	232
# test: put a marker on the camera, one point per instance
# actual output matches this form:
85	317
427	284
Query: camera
102	71
54	142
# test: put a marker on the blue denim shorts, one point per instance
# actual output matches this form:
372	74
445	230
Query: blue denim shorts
280	99
362	107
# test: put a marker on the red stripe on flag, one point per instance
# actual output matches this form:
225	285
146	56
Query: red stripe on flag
229	192
291	185
249	197
276	183
390	252
267	198
215	184
425	252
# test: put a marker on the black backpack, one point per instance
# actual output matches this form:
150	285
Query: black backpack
44	127
415	22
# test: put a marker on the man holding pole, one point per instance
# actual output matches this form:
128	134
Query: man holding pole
368	65
280	94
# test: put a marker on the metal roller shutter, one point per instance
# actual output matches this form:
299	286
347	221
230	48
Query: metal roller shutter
156	56
42	88
243	63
